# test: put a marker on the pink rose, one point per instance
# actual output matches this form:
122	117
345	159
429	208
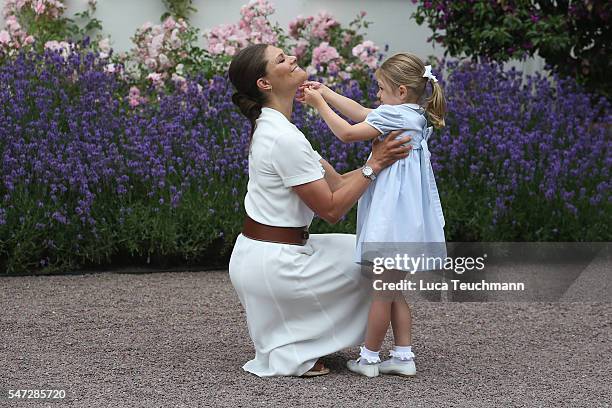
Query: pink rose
324	54
39	7
4	37
151	63
169	24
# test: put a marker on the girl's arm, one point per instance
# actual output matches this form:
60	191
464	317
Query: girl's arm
348	107
340	127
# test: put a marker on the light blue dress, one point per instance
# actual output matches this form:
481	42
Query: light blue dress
402	205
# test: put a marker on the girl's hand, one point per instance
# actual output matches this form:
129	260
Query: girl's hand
313	98
315	85
312	84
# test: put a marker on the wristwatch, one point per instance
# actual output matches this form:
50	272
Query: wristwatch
368	172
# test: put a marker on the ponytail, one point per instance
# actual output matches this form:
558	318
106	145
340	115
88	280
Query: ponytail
436	106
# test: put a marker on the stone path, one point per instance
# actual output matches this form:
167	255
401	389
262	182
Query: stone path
180	339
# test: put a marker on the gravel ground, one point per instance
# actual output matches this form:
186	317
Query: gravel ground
180	339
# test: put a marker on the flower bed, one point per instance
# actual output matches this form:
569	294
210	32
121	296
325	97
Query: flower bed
89	177
142	158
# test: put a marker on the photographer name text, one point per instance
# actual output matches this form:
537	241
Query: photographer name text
456	284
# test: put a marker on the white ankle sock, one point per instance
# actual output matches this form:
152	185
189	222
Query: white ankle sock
402	354
402	349
368	356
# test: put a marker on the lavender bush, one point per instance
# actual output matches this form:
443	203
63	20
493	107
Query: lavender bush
89	178
523	161
86	178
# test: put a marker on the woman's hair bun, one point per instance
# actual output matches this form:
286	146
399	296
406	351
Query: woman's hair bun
248	106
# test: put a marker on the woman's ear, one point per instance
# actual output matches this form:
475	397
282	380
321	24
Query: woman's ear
264	84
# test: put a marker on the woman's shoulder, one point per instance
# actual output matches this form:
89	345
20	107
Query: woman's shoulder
273	122
277	139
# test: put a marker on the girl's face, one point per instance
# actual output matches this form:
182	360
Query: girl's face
283	74
388	95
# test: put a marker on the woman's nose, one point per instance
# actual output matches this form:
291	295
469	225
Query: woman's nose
294	59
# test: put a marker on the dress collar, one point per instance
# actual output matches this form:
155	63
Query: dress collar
413	105
273	112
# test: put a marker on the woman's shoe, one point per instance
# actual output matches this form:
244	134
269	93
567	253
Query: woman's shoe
317	370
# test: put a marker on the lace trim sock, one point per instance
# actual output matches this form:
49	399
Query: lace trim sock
368	356
401	354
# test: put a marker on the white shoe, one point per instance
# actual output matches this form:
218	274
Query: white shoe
369	370
403	368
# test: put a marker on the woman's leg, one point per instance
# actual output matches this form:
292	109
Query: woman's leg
401	322
378	323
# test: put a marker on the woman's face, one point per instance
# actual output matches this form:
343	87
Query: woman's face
282	72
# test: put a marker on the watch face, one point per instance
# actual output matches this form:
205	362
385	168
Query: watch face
367	171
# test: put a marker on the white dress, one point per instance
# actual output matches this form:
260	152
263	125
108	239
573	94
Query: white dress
401	211
301	302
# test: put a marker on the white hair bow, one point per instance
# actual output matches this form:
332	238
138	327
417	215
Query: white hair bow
428	74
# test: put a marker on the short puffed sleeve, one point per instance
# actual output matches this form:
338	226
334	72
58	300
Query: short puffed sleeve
295	161
386	118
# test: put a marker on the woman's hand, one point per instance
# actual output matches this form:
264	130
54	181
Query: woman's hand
388	151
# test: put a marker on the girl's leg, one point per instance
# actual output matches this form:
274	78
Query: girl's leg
402	357
378	323
379	319
401	322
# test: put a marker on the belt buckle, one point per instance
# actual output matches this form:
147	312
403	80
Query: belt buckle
305	236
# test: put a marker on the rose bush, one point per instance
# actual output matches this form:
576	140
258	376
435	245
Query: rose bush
40	22
323	46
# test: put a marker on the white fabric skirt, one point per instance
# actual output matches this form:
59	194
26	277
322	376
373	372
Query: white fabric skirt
301	302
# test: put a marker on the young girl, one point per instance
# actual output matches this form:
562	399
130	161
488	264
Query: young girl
402	205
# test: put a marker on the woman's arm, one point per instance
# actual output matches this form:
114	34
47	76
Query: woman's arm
334	179
340	127
348	107
331	201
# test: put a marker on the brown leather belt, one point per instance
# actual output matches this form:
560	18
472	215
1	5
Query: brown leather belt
280	235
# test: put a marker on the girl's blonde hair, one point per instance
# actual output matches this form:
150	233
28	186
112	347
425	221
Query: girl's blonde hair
408	69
